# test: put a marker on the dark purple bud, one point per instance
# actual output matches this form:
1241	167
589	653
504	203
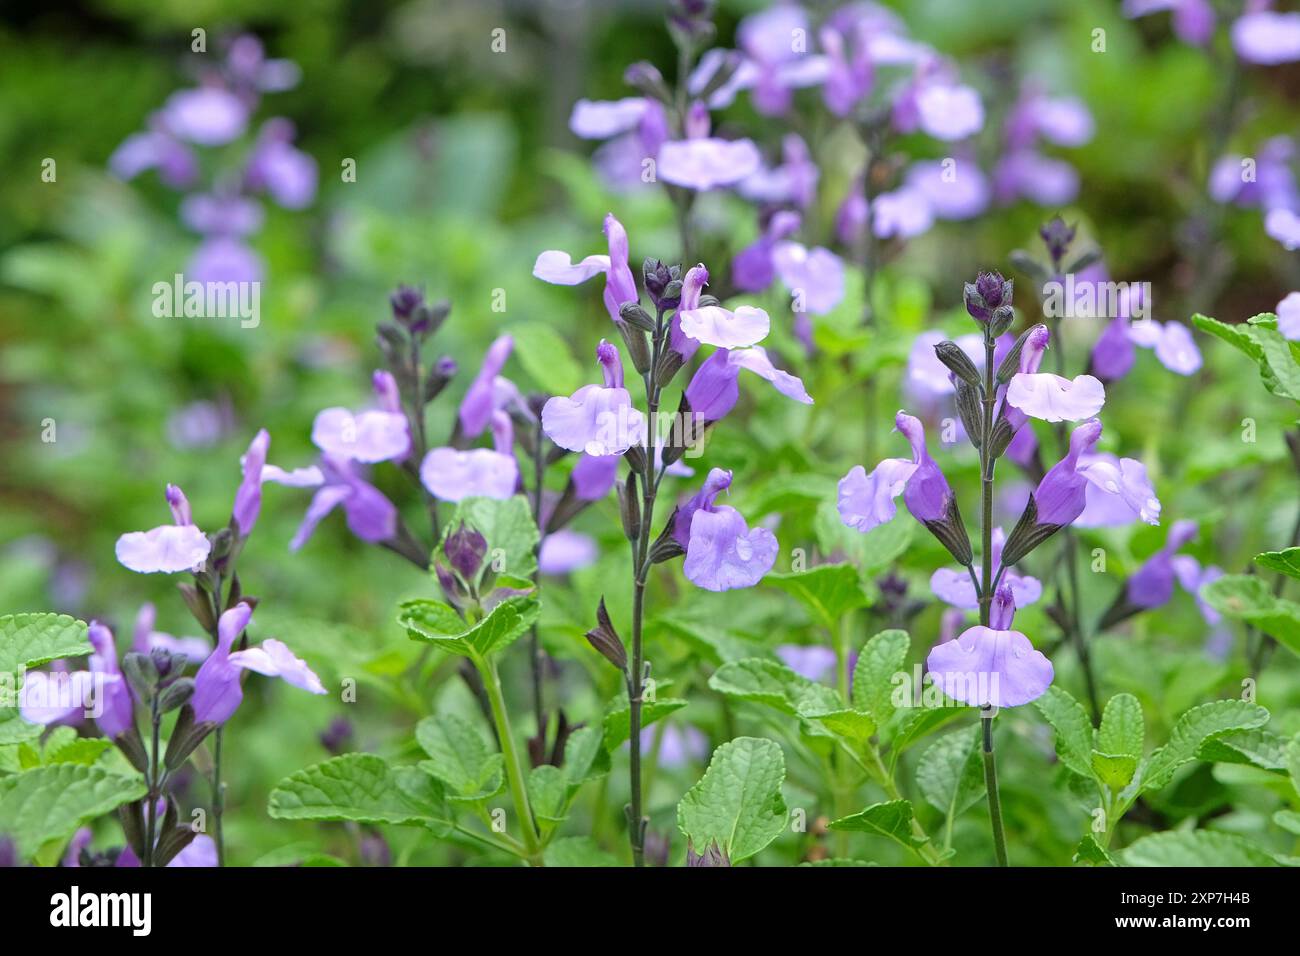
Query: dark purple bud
406	302
993	289
605	639
337	737
657	278
646	78
1057	236
713	856
465	549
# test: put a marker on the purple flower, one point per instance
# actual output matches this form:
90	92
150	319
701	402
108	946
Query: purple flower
1288	316
603	119
1118	493
1061	495
1172	342
598	420
959	191
849	74
865	501
216	214
176	163
904	213
677	747
1193	19
217	693
274	659
559	269
1064	121
201	851
368	437
928	379
208	116
287	174
370	516
481	398
60	696
954	585
810	661
1052	398
117	710
752	269
564	551
165	549
707	162
1026	174
949	111
1272	185
1152	585
180	505
453	475
248	498
991	666
722	552
714	389
794	181
1267	38
1284	226
594	475
1113	353
145	639
635	129
221	259
814	276
715	325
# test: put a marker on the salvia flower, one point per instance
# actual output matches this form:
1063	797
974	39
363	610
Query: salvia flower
248	497
1059	498
956	587
453	475
370	515
1152	585
620	286
715	325
168	548
714	389
597	419
368	437
483	394
1118	493
1267	38
991	666
722	552
117	709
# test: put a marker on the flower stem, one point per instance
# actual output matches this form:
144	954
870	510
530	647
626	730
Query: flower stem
987	464
514	770
151	812
218	797
534	642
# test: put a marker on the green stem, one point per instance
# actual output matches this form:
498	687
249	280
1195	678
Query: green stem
151	828
991	784
218	797
514	770
926	849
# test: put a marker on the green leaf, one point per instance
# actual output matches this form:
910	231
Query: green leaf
1072	726
49	803
1114	770
30	640
714	645
14	730
772	683
1261	342
1288	820
82	750
618	720
893	820
852	724
585	757
1194	848
548	793
1091	852
882	657
1191	730
1255	748
1248	598
509	528
546	358
362	788
828	590
1122	728
951	772
917	723
460	757
737	803
438	624
577	851
1284	562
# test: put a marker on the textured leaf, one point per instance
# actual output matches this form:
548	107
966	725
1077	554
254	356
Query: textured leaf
49	803
737	803
1248	598
827	590
882	657
1260	341
1091	852
618	721
1122	728
1114	770
459	757
1285	562
1255	748
951	772
1191	730
1194	848
893	820
578	851
548	793
715	645
1072	726
851	724
14	730
30	640
362	788
1288	820
772	683
585	757
82	750
509	528
917	723
438	624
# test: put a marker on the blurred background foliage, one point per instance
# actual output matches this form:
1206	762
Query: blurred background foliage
465	171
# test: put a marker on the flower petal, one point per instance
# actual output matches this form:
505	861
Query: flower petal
724	553
714	325
987	667
559	269
596	420
369	437
1052	398
453	475
866	501
167	549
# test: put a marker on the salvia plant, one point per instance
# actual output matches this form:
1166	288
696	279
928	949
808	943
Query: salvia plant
630	609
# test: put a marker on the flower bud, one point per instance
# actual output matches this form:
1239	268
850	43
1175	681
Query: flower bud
957	362
1057	236
465	549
